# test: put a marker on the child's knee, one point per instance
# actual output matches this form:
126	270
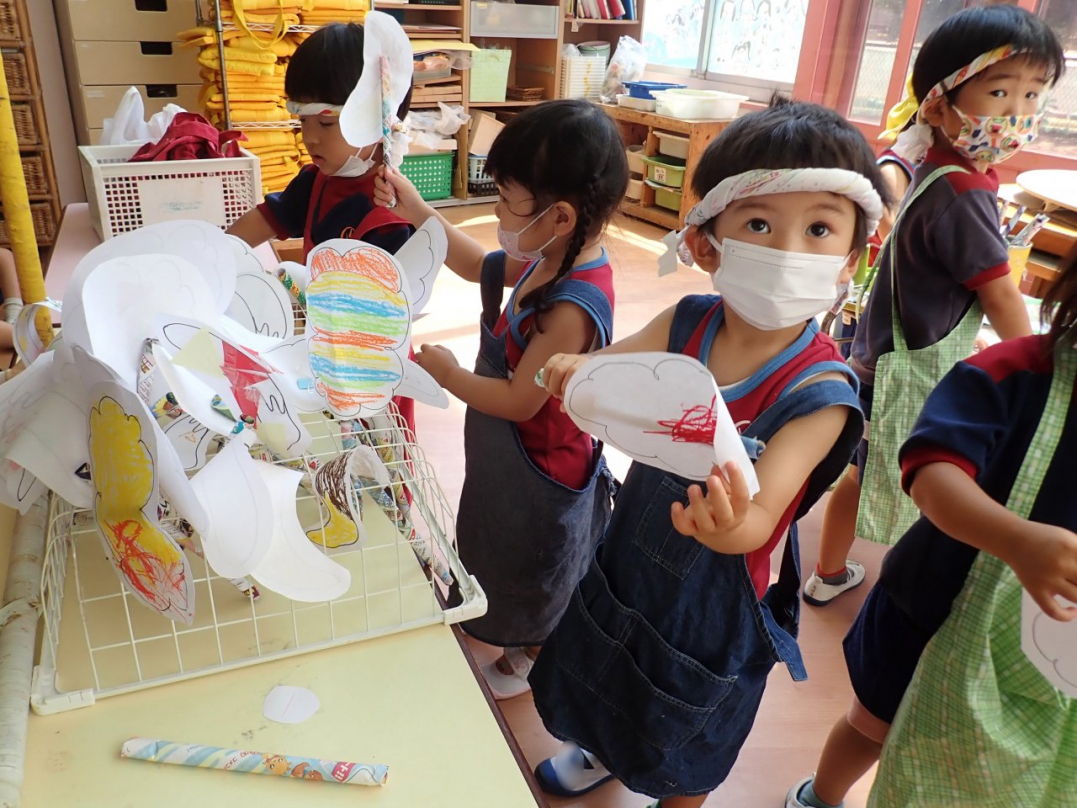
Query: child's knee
863	721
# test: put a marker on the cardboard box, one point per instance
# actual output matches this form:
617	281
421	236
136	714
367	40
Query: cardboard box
99	103
126	63
121	20
484	129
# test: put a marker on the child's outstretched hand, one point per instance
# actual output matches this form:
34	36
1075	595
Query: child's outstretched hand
438	361
557	372
1045	561
394	191
724	508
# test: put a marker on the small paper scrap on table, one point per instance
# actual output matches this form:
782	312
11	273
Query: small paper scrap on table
661	409
238	760
287	704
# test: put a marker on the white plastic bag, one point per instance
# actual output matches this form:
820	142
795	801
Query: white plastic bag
128	124
428	129
627	64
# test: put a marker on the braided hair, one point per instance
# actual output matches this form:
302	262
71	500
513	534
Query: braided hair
567	150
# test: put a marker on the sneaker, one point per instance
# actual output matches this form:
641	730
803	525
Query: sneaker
793	800
571	772
507	676
819	593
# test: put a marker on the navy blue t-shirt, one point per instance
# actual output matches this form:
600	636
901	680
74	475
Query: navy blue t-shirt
947	246
982	418
319	207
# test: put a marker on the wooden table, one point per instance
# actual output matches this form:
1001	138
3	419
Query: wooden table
640	127
1053	243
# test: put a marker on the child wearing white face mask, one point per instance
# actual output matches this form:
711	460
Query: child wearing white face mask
536	493
981	80
656	671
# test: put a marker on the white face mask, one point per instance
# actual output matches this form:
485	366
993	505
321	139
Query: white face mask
356	166
510	241
772	289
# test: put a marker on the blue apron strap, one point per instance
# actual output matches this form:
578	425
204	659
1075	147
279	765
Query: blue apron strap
492	287
782	601
687	316
592	300
819	368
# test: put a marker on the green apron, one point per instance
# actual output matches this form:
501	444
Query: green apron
980	726
903	380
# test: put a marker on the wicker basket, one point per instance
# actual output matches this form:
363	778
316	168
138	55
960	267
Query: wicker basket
17	73
9	21
25	124
37	178
44	224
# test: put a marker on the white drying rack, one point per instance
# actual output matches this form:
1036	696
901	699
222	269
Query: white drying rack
100	641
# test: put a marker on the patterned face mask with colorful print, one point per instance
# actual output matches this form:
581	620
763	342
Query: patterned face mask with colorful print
991	140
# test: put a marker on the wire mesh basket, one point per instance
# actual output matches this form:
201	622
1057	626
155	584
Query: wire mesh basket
100	641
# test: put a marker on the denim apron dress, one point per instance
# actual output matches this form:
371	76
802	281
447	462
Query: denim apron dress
659	664
526	537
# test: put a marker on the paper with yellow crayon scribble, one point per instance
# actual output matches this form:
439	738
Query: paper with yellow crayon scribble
123	454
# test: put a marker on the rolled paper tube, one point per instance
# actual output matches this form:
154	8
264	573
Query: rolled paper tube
538	379
386	113
238	760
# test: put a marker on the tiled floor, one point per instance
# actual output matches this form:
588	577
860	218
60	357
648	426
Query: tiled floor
795	717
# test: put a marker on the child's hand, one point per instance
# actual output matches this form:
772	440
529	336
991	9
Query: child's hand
1045	561
558	370
725	507
438	361
394	191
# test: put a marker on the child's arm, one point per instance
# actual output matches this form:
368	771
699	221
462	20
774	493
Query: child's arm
726	520
252	227
465	255
1005	308
566	327
1044	557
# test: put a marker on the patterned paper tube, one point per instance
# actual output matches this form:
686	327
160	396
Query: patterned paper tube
386	113
237	760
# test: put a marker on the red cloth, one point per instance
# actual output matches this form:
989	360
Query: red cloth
190	137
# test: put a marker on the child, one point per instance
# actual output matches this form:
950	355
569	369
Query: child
982	77
536	493
659	664
334	197
988	465
12	297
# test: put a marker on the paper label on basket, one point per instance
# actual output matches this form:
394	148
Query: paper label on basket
182	198
661	409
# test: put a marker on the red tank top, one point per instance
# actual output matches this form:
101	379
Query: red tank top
747	400
552	442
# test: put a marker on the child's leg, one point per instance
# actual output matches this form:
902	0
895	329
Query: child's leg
852	748
838	534
9	285
7	336
681	802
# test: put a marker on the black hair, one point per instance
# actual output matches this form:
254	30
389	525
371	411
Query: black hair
563	150
976	31
326	67
1060	303
790	134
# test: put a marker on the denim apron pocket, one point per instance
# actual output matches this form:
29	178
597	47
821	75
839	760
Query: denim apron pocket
657	537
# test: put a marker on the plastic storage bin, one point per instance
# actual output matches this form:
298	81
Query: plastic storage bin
125	196
489	75
643	89
635	190
668	171
582	77
517	20
672	145
479	183
431	174
668	198
635	160
642	104
694	105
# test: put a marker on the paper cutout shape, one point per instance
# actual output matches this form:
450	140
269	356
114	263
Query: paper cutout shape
292	360
294	567
28	343
262	305
286	704
335	483
249	387
122	454
361	118
241	532
416	383
20	489
661	409
123	300
1050	645
358	311
421	257
191	440
193	394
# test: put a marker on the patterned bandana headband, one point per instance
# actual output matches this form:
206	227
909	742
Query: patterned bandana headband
856	187
306	110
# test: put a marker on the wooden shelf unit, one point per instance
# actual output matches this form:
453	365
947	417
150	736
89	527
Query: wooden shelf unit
639	128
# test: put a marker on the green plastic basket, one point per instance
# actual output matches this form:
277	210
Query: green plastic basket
431	174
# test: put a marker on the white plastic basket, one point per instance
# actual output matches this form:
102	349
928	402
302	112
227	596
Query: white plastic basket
125	196
582	76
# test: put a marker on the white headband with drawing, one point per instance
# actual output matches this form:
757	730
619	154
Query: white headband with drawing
759	182
306	110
